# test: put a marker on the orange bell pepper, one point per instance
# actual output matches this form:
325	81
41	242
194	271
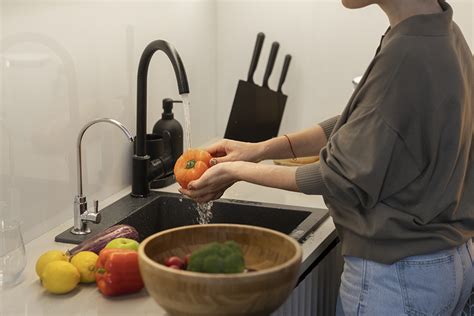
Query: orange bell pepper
117	272
191	165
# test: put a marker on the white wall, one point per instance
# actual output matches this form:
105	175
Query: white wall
66	62
330	45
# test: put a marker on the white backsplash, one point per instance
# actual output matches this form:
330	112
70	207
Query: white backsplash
330	45
66	62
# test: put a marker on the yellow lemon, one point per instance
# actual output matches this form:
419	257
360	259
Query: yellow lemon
60	277
47	257
85	261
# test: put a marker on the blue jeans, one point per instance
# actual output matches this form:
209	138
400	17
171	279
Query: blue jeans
435	284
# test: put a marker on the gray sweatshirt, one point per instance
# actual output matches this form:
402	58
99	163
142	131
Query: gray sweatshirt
397	173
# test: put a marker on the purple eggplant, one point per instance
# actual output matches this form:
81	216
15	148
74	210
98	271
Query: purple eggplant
97	242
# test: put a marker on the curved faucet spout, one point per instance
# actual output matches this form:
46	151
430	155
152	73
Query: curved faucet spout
141	160
82	215
181	78
79	141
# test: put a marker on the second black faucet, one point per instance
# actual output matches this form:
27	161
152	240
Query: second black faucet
141	159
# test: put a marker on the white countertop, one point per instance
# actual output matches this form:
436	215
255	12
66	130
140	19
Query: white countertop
28	297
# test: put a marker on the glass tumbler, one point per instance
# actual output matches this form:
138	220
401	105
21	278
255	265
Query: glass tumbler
12	253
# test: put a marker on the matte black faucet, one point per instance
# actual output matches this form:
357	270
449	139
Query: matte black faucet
141	160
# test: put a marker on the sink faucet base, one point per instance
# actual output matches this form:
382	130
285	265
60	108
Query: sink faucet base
81	231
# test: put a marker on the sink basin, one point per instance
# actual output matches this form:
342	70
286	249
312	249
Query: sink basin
161	211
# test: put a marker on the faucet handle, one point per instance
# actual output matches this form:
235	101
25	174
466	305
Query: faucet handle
96	206
92	215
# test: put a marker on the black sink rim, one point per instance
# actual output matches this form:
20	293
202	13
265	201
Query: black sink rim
114	217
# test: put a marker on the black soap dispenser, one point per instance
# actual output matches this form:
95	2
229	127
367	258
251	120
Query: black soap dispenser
168	123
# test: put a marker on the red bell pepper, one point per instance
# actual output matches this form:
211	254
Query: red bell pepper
117	272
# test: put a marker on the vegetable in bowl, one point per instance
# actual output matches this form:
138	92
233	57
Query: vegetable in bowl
217	257
214	257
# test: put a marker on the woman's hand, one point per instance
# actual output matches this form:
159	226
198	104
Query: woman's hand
215	180
213	183
231	150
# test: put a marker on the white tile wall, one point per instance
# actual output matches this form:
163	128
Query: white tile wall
66	62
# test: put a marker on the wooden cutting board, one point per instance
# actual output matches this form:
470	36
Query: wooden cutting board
300	161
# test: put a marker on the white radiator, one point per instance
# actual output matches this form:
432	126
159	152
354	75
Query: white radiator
316	295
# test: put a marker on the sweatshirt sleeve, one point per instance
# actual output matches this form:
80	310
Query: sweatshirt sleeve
361	163
328	125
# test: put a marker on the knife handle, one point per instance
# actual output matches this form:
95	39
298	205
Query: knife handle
271	63
256	55
284	71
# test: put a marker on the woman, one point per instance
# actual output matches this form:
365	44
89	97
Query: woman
396	169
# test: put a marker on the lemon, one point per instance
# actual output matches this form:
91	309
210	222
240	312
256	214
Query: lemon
47	257
60	277
85	261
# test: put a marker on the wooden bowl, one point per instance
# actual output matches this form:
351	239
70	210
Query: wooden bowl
276	258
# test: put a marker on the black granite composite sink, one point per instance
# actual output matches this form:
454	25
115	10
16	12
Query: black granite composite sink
162	211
